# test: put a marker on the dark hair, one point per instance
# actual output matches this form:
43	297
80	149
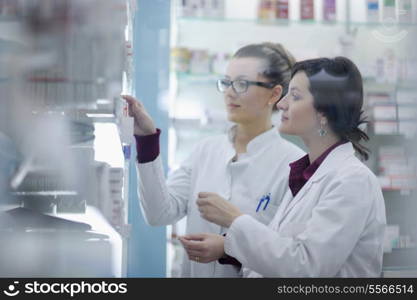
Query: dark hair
279	62
336	85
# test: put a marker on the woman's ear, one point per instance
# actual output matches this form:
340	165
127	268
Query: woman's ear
276	93
322	119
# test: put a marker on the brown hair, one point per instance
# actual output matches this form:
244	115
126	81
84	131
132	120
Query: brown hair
278	60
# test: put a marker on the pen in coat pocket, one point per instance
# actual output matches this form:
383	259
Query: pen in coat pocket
265	198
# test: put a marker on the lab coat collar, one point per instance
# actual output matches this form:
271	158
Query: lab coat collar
259	142
331	162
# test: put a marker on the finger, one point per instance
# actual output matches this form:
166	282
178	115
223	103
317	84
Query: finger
201	209
202	202
206	217
195	236
194	258
192	245
129	98
132	101
194	253
205	194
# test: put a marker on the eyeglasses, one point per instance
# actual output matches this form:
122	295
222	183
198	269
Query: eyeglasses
240	86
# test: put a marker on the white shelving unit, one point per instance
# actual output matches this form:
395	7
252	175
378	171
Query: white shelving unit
65	64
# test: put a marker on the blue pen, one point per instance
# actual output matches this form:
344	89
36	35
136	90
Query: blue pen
267	198
260	202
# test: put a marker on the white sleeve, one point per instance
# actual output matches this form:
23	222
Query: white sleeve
320	250
164	202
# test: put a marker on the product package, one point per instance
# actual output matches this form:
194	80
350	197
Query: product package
307	10
388	11
372	11
266	10
329	10
282	9
404	11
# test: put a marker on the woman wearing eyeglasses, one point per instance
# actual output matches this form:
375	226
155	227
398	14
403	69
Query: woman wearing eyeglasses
331	222
248	166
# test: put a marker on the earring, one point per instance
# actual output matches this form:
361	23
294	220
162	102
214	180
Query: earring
322	131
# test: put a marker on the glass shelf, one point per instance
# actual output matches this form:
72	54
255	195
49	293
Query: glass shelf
208	78
284	22
369	83
402	191
372	83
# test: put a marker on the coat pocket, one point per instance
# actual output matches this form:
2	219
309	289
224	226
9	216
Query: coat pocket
266	216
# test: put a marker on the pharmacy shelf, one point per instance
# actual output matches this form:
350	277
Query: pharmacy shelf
189	78
370	84
400	190
398	257
283	22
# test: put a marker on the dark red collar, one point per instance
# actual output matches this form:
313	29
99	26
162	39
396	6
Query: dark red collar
302	170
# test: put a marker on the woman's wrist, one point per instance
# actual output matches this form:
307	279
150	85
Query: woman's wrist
144	132
233	218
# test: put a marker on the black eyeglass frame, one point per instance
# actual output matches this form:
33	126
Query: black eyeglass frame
268	85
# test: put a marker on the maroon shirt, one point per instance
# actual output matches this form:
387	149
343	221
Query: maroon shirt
147	147
302	170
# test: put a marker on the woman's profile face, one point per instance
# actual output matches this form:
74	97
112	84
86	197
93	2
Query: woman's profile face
299	117
251	105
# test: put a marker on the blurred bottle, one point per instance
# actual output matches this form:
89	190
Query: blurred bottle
307	9
215	8
219	63
282	9
372	8
200	62
389	14
329	10
404	10
266	9
181	59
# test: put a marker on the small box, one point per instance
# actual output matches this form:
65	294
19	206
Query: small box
307	10
407	113
380	98
407	128
386	127
404	182
386	112
384	182
406	97
392	235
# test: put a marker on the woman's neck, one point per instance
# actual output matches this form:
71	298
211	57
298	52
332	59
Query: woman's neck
247	132
317	145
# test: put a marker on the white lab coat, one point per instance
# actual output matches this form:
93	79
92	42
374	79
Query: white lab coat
263	169
333	227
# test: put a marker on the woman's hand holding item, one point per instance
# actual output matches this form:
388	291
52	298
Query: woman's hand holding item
144	124
203	247
215	209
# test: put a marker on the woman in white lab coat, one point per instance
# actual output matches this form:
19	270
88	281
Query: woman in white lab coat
331	222
229	165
